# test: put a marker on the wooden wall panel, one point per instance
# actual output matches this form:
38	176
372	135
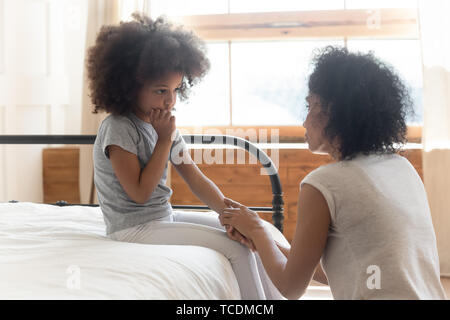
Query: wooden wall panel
61	174
415	157
244	184
241	182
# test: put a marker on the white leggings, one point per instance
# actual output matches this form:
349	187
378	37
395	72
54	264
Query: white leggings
204	229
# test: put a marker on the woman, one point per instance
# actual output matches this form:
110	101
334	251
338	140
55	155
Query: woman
365	217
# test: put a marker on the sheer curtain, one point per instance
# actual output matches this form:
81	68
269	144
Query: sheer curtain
435	39
100	12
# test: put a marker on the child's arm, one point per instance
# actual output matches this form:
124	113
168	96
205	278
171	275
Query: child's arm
200	185
140	184
208	193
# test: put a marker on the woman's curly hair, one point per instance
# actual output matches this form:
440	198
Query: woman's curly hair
366	101
127	55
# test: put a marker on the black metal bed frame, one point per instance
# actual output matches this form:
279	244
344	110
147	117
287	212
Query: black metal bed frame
261	156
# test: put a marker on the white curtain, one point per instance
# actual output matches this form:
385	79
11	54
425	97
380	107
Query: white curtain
100	12
435	38
41	46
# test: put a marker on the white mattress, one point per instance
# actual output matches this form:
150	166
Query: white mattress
50	252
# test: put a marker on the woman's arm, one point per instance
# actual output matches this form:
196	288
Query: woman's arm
291	274
319	275
284	250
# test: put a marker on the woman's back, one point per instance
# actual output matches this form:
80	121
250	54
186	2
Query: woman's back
381	243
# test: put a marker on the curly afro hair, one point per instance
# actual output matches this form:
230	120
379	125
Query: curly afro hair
366	101
127	55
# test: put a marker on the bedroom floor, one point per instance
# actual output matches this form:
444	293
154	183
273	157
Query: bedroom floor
317	291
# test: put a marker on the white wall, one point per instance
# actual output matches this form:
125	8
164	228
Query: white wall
41	68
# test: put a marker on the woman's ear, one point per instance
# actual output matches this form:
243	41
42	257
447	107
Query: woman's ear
325	112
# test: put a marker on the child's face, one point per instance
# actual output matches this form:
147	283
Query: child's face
161	93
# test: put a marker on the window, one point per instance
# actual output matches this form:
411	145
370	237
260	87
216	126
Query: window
260	52
239	6
269	81
210	99
370	4
187	7
404	56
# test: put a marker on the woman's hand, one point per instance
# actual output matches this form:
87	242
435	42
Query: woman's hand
246	221
235	235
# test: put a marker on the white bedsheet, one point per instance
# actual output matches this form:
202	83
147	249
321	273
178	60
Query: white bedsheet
50	252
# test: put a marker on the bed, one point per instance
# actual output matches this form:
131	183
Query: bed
60	251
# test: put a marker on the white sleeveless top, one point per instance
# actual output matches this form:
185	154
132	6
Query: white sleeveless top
381	242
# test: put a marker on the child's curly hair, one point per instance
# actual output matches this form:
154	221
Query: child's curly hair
124	57
366	100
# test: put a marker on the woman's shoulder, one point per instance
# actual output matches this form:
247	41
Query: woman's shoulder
341	170
328	168
345	170
324	174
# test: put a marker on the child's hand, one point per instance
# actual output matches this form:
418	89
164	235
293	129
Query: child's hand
164	123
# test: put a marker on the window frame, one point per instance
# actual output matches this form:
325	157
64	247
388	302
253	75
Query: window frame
376	24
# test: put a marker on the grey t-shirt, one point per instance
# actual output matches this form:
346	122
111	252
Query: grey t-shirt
138	137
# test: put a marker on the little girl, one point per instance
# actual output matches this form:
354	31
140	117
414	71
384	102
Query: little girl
136	70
